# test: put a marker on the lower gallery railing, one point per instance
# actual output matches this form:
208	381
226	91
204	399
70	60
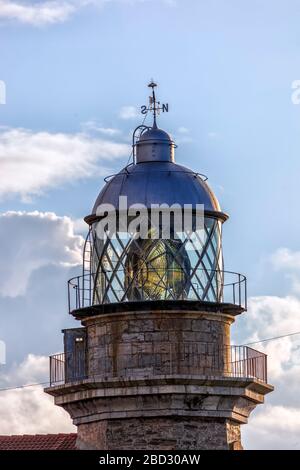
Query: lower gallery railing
183	358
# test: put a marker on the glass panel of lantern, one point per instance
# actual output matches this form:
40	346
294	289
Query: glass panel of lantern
188	265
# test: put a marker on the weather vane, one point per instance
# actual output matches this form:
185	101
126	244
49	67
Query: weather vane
154	106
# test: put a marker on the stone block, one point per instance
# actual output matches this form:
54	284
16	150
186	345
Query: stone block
171	324
200	324
138	325
157	336
130	337
143	347
196	336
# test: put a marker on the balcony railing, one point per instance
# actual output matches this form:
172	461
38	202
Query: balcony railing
184	358
57	369
204	285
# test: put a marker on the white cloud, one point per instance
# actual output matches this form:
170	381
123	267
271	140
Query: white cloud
274	427
80	227
34	161
291	423
37	13
129	112
33	369
31	240
94	126
42	13
183	130
284	259
274	316
288	262
183	136
39	252
29	410
108	131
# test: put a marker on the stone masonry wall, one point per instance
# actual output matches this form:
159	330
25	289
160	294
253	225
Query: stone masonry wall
159	434
158	343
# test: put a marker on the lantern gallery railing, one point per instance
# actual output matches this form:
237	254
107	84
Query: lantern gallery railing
184	358
160	284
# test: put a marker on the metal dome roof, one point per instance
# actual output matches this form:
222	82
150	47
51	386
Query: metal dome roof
156	183
155	134
154	144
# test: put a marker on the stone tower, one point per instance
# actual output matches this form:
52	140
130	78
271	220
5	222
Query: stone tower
152	366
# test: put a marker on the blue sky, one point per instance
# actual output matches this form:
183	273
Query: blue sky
226	69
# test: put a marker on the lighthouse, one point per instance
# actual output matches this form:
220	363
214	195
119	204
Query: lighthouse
152	366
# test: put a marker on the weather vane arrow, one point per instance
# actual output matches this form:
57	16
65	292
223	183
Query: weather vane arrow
154	106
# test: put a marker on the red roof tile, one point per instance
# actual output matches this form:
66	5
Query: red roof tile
39	442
